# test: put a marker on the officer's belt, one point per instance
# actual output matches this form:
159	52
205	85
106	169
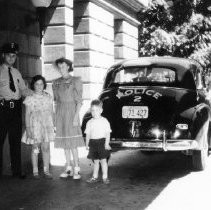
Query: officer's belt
10	103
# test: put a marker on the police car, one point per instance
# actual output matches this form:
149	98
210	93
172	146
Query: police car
157	104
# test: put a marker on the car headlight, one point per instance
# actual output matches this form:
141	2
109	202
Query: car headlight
176	134
157	133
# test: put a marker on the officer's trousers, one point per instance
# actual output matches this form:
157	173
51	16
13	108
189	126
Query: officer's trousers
11	124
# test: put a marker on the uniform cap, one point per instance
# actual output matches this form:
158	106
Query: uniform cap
10	47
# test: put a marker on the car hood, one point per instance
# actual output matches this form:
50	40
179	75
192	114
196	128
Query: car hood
164	105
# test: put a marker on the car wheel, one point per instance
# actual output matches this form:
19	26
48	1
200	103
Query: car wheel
200	157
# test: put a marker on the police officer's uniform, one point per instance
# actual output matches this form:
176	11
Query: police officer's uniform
12	86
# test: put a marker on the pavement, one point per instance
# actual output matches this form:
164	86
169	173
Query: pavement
161	181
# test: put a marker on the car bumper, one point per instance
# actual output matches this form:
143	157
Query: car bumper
167	145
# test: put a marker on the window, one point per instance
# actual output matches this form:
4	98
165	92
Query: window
144	75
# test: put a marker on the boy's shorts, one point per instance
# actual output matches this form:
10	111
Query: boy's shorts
97	149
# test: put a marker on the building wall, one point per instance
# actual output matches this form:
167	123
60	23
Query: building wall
94	34
93	47
126	40
101	38
58	36
18	24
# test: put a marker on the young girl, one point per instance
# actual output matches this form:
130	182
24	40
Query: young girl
97	141
68	97
39	124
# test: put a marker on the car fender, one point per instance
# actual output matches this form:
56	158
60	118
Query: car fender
85	119
200	122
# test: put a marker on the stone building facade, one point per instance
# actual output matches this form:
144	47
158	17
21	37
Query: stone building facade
93	33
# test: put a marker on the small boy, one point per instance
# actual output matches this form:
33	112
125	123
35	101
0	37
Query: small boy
97	141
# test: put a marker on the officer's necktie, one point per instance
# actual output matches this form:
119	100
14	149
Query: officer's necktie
12	85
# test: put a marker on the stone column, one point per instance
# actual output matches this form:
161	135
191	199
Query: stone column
93	47
126	40
58	37
57	42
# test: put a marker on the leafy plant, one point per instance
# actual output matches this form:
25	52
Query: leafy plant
182	29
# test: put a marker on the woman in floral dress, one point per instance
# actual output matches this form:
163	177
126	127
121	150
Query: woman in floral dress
39	124
68	97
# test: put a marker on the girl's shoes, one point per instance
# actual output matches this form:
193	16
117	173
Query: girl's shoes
76	174
92	180
66	173
69	172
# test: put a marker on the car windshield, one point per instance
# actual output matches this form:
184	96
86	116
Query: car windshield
144	75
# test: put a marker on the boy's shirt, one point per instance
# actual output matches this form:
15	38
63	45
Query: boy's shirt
97	128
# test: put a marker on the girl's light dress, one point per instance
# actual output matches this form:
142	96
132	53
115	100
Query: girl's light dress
40	119
67	94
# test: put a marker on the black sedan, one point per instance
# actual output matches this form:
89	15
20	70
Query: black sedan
157	104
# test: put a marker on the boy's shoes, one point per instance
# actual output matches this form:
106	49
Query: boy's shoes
48	175
106	181
92	180
76	174
66	174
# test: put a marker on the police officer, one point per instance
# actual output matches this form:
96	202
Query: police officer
12	87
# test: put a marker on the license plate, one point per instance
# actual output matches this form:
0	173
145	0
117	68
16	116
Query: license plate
138	112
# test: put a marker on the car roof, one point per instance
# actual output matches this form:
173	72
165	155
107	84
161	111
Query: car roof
185	68
174	62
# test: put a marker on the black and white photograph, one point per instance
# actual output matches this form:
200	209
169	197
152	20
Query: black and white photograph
105	104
